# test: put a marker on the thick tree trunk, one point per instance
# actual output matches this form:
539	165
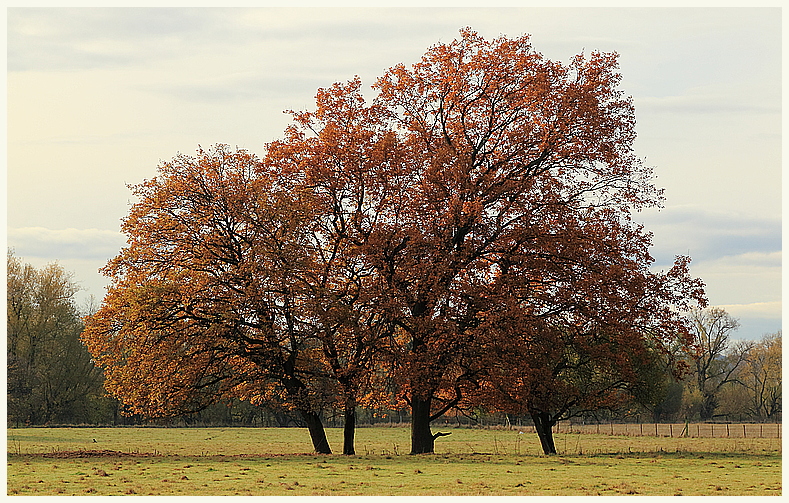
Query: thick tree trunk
544	427
295	389
349	429
422	440
317	433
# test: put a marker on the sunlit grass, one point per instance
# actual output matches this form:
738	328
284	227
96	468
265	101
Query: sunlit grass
273	461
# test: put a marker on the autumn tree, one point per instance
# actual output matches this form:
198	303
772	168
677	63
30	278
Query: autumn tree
207	300
480	153
585	327
339	153
497	142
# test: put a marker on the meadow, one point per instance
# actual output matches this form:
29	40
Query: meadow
279	461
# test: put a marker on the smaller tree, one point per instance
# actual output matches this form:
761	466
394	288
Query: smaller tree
206	301
761	375
716	362
50	375
734	401
669	407
583	325
332	154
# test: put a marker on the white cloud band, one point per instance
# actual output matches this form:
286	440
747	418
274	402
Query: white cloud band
65	243
770	310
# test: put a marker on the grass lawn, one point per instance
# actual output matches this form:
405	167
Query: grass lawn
274	461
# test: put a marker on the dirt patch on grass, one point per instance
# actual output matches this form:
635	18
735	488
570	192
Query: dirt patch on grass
100	453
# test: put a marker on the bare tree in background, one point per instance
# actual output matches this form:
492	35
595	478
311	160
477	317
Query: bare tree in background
761	375
717	361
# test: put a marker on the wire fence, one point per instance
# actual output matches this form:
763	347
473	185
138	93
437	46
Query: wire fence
697	430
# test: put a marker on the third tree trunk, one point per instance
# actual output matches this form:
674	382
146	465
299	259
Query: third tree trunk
317	433
544	427
349	427
422	438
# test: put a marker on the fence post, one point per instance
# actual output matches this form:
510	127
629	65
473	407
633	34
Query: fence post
656	429
743	431
727	430
670	430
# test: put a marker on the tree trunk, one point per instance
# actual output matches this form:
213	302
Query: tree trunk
349	429
317	433
422	440
544	427
708	405
295	389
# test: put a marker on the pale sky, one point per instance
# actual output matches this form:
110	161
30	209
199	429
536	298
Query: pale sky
96	98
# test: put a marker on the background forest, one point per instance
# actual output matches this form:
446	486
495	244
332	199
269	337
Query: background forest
52	381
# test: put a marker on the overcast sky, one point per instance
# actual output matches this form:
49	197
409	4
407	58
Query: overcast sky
98	97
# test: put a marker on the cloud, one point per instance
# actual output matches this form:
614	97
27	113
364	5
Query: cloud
750	279
80	251
85	38
706	103
81	244
768	310
749	260
709	235
90	38
98	95
247	86
738	256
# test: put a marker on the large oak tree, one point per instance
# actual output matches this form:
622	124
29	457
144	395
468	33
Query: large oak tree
509	157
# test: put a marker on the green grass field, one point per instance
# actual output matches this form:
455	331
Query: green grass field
274	461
